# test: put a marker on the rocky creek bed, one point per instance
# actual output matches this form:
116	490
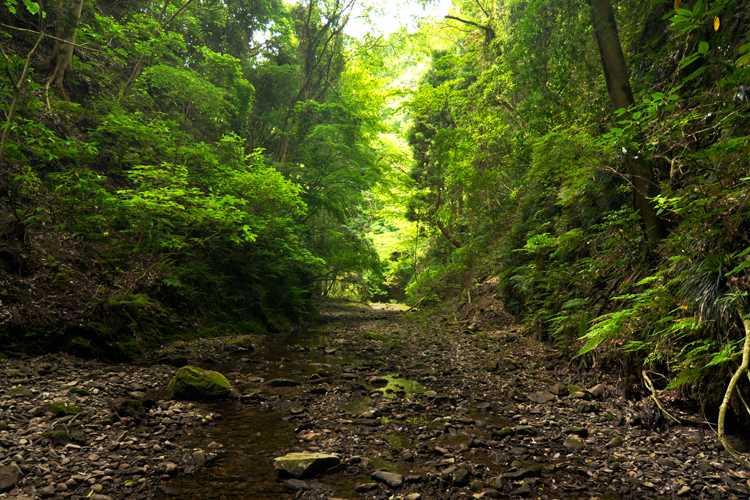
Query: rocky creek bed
408	410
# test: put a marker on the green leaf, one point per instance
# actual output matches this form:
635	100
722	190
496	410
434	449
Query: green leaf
703	47
695	74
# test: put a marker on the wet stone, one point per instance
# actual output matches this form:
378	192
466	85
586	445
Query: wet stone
585	407
390	479
306	464
461	477
599	391
541	397
295	485
559	390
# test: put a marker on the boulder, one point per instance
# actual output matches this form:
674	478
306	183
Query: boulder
244	342
131	408
390	479
191	382
301	465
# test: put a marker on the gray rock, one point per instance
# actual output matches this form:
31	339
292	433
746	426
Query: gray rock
541	397
305	464
461	477
199	458
585	407
599	391
559	390
390	479
406	456
8	478
295	485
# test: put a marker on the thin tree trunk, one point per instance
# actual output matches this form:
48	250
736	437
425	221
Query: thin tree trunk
18	85
618	85
71	17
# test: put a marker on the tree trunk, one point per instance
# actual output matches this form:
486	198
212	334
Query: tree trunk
70	16
618	85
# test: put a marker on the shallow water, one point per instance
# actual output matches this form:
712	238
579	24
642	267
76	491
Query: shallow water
251	436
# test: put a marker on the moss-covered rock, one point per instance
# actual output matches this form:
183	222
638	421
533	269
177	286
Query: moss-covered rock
244	342
62	409
191	382
58	438
131	408
305	464
79	390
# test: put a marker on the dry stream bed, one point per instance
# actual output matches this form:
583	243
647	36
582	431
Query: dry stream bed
410	411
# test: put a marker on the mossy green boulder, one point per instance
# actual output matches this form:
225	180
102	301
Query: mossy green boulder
303	465
195	383
244	342
62	409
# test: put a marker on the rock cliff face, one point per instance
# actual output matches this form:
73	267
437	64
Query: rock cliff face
198	384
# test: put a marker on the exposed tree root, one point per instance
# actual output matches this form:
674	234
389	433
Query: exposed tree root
650	387
742	370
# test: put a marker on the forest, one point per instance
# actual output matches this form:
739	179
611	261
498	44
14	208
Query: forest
172	168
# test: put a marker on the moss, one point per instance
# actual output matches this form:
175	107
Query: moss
396	442
131	408
79	390
58	438
376	336
61	409
381	464
576	388
245	342
191	382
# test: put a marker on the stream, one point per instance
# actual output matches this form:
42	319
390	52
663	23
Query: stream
251	435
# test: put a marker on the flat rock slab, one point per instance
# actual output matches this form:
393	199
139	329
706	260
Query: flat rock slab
390	479
541	397
8	478
306	464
